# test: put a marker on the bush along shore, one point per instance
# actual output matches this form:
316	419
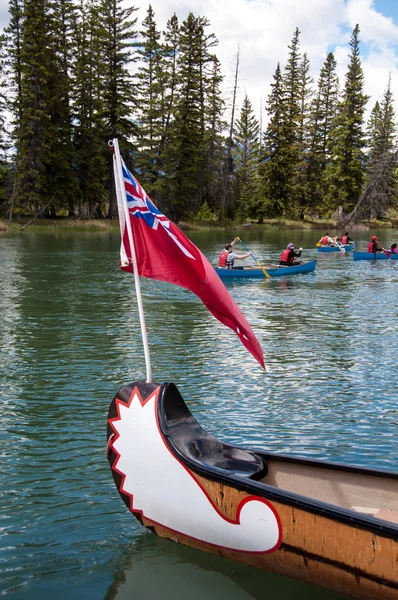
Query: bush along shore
25	224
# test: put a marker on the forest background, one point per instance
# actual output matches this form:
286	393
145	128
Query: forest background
74	76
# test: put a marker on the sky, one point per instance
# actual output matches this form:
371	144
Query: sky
262	30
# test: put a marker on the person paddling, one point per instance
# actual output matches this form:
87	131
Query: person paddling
288	256
374	245
345	239
326	240
227	257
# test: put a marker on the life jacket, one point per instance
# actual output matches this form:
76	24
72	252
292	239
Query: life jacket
325	240
285	256
344	239
371	247
222	261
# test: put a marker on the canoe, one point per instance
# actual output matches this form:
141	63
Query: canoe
347	248
373	256
326	524
272	270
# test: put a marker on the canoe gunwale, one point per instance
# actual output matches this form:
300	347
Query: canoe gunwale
269	492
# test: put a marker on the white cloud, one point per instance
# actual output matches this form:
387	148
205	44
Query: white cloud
263	29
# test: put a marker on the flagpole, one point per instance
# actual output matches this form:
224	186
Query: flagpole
121	192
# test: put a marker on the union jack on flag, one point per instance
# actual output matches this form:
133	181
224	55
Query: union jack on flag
141	206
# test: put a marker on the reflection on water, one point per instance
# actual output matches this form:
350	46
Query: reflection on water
153	568
70	338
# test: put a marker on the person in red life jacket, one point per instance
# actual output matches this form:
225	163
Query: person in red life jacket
346	239
288	256
393	249
326	240
228	257
374	245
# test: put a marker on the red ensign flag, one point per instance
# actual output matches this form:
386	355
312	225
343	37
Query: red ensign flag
163	252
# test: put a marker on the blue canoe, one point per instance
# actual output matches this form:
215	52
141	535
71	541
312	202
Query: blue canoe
347	248
272	270
373	256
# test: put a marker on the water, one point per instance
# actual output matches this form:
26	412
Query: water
70	338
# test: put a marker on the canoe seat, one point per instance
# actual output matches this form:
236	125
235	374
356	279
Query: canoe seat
197	448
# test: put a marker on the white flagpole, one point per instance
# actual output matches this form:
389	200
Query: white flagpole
121	192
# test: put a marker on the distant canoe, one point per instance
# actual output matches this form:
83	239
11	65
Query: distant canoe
347	248
373	256
272	270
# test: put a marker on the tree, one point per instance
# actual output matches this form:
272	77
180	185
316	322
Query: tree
14	60
60	174
214	142
246	156
346	170
89	134
150	100
183	162
228	168
275	178
382	162
322	117
33	105
119	98
303	134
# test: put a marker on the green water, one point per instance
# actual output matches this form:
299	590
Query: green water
70	338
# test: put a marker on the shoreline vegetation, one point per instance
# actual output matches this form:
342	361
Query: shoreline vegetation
96	225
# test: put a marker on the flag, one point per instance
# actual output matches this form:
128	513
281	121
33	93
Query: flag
163	252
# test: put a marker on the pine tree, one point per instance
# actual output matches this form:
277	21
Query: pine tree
150	87
246	157
321	123
33	131
213	141
88	100
282	138
14	61
274	173
183	165
60	152
382	162
303	134
346	169
119	98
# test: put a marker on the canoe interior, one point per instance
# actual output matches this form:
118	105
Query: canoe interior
364	493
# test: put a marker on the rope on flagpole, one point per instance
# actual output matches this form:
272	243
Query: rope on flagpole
121	193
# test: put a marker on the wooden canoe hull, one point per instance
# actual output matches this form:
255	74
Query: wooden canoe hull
347	248
186	486
373	256
272	270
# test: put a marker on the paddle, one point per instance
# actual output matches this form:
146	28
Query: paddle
254	258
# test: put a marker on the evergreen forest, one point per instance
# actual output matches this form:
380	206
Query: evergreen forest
74	75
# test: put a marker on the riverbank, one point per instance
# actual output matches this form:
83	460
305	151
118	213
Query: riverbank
281	224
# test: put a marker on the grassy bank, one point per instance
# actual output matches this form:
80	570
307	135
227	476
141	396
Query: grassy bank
106	224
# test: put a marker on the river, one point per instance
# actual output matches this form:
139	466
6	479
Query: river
70	338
